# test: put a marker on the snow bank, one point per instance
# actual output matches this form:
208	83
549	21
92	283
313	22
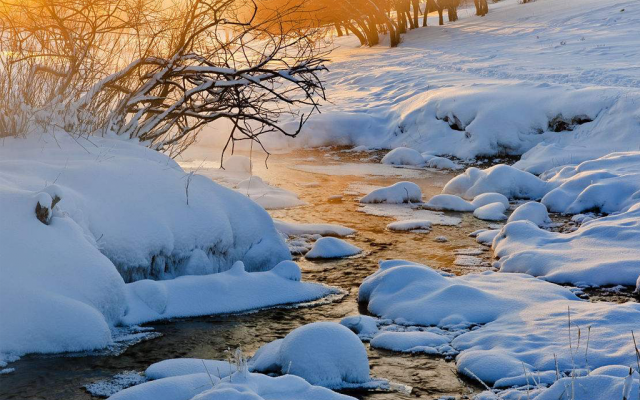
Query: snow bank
241	385
491	212
323	353
403	156
403	293
524	322
231	291
398	193
330	247
604	251
531	211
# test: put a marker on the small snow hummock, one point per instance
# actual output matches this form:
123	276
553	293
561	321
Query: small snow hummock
403	156
448	202
323	353
412	342
364	326
330	247
531	211
491	212
436	162
411	225
398	193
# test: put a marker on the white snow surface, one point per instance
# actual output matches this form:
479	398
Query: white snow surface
330	247
603	251
531	211
491	212
398	193
123	216
410	225
323	353
242	385
524	321
403	156
296	229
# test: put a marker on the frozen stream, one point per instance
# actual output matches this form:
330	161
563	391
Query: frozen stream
62	377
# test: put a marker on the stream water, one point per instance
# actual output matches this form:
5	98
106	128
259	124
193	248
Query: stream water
315	176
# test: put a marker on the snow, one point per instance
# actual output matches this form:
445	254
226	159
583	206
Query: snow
410	225
297	229
598	387
241	385
523	322
125	213
323	353
449	202
491	212
330	247
411	342
364	326
398	193
237	163
436	162
232	291
404	212
531	211
403	156
504	179
488	198
269	197
604	251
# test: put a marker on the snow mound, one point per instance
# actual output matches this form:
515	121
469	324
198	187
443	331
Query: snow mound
403	156
232	291
593	387
404	292
189	366
504	179
604	251
436	162
269	197
491	212
410	225
608	184
297	229
488	198
398	193
330	247
531	211
241	385
448	202
364	326
323	353
237	163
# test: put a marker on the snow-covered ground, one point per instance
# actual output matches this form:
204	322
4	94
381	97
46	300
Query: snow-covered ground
86	221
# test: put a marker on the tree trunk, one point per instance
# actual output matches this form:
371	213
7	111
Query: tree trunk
337	25
356	32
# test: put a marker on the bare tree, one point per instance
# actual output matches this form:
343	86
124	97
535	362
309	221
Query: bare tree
155	73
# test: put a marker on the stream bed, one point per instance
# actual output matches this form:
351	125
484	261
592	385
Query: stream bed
316	176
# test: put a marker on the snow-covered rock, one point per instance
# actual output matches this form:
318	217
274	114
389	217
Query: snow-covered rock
398	193
449	202
436	162
491	212
330	247
237	163
531	211
410	342
604	251
323	353
403	156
